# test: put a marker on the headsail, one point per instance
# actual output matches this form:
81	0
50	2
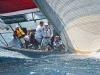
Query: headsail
77	21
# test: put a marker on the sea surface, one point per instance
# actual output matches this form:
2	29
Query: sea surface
15	63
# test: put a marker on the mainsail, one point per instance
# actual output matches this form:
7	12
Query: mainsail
77	22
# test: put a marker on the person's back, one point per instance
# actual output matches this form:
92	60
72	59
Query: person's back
32	37
33	41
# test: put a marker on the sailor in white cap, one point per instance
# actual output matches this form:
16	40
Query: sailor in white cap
47	34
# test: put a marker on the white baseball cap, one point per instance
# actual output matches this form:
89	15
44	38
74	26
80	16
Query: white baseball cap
17	26
45	24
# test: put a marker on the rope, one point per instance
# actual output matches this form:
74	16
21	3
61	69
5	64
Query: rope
3	43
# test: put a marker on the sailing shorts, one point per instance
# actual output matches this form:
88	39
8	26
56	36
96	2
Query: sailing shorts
26	38
22	40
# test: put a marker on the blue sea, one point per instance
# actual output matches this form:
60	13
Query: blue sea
15	63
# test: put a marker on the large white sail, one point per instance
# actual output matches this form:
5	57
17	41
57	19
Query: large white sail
77	22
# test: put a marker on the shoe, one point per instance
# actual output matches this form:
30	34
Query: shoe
29	45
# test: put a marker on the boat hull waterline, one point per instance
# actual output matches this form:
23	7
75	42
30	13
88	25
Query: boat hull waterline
31	52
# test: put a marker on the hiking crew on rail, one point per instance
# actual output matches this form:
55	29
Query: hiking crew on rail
38	38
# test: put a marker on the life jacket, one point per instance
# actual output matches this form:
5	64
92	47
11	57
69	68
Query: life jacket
20	33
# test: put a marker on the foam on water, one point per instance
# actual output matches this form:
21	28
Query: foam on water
13	54
54	64
95	55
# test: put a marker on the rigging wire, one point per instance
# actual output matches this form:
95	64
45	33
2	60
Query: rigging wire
3	43
4	40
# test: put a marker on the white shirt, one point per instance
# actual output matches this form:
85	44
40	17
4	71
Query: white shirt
57	43
47	32
50	26
38	33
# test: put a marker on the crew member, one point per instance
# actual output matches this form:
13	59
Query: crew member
58	45
38	33
20	34
47	34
